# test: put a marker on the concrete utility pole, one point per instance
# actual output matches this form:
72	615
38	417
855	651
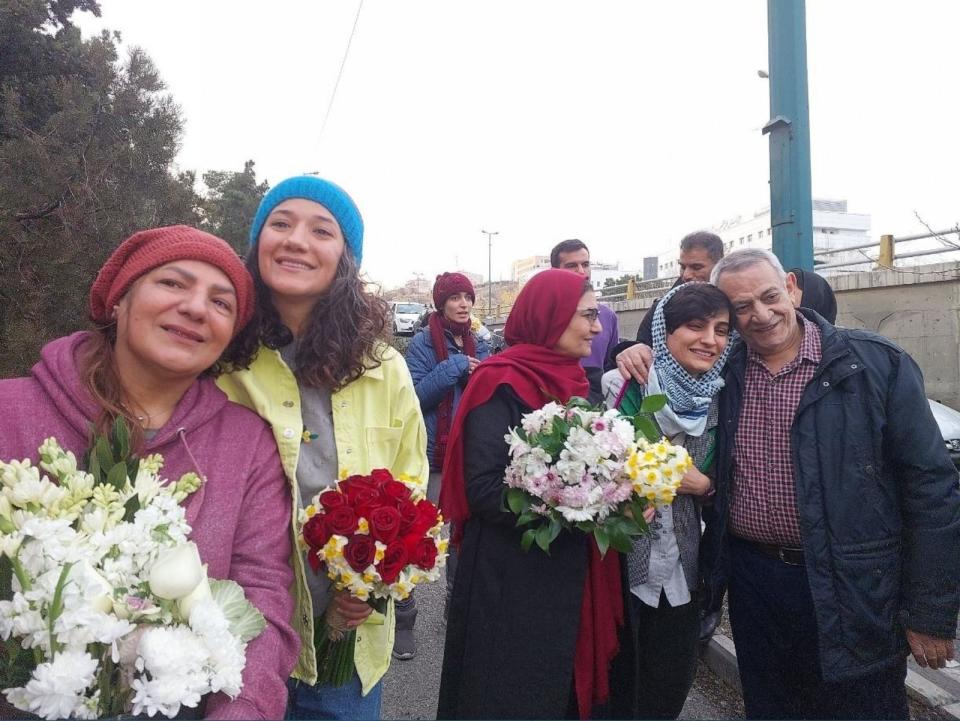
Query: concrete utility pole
490	234
791	205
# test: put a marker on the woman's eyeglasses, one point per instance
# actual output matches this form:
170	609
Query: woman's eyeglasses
591	314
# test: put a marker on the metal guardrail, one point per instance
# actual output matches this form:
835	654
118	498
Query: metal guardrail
887	255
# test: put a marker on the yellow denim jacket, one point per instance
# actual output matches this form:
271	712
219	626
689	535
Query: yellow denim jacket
377	424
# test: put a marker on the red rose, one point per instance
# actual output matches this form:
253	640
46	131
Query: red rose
366	501
425	554
384	524
354	485
427	517
408	514
379	476
394	491
394	560
342	521
359	552
315	531
332	499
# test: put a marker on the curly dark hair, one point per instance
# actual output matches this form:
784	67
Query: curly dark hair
344	335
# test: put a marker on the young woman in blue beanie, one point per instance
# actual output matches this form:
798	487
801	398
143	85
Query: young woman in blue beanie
338	397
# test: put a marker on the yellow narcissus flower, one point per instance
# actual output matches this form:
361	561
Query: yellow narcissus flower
363	527
331	551
310	511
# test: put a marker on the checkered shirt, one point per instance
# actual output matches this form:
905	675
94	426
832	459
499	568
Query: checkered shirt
763	507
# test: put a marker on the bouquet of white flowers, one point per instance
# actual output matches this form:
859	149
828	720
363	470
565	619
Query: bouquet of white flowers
109	609
577	466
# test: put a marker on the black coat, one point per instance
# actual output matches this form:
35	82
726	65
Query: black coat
514	616
877	495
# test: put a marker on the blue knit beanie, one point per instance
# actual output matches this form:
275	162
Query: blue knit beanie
329	195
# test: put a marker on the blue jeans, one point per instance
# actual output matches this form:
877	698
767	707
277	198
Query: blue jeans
333	702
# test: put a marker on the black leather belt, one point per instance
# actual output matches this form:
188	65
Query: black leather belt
787	554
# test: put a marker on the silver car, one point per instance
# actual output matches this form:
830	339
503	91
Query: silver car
948	420
405	315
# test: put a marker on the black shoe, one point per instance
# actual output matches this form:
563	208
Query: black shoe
709	620
404	644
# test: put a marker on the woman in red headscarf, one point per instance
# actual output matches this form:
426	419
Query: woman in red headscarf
530	635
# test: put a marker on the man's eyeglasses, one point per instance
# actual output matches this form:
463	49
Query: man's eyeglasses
591	314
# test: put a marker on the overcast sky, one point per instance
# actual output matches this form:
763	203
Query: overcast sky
621	122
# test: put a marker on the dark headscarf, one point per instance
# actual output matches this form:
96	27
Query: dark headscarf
816	294
537	374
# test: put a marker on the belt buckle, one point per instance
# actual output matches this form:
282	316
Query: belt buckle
781	554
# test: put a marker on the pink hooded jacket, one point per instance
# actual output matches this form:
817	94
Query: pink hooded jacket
240	516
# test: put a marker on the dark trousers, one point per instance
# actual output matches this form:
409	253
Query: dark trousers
775	632
662	659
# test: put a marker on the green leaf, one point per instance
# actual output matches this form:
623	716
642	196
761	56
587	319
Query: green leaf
104	453
518	500
527	517
526	540
647	427
639	506
544	538
6	578
121	437
117	477
630	527
554	528
244	618
602	538
578	402
620	541
652	404
93	466
130	508
133	468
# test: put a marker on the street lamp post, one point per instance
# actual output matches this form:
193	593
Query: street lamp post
490	234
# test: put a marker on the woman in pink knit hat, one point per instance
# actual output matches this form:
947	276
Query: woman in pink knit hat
164	307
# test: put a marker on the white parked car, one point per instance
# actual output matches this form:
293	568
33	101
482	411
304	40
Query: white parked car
405	315
948	420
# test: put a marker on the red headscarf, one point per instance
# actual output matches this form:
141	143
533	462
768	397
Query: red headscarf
537	375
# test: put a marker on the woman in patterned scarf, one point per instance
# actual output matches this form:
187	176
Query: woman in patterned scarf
691	340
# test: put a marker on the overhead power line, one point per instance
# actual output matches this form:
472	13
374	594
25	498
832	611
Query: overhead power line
343	62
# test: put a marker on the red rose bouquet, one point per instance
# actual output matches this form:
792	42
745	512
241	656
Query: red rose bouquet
376	537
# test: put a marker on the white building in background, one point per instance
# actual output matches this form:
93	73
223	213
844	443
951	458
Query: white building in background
524	269
833	227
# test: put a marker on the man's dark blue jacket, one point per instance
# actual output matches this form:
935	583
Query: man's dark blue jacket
877	495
